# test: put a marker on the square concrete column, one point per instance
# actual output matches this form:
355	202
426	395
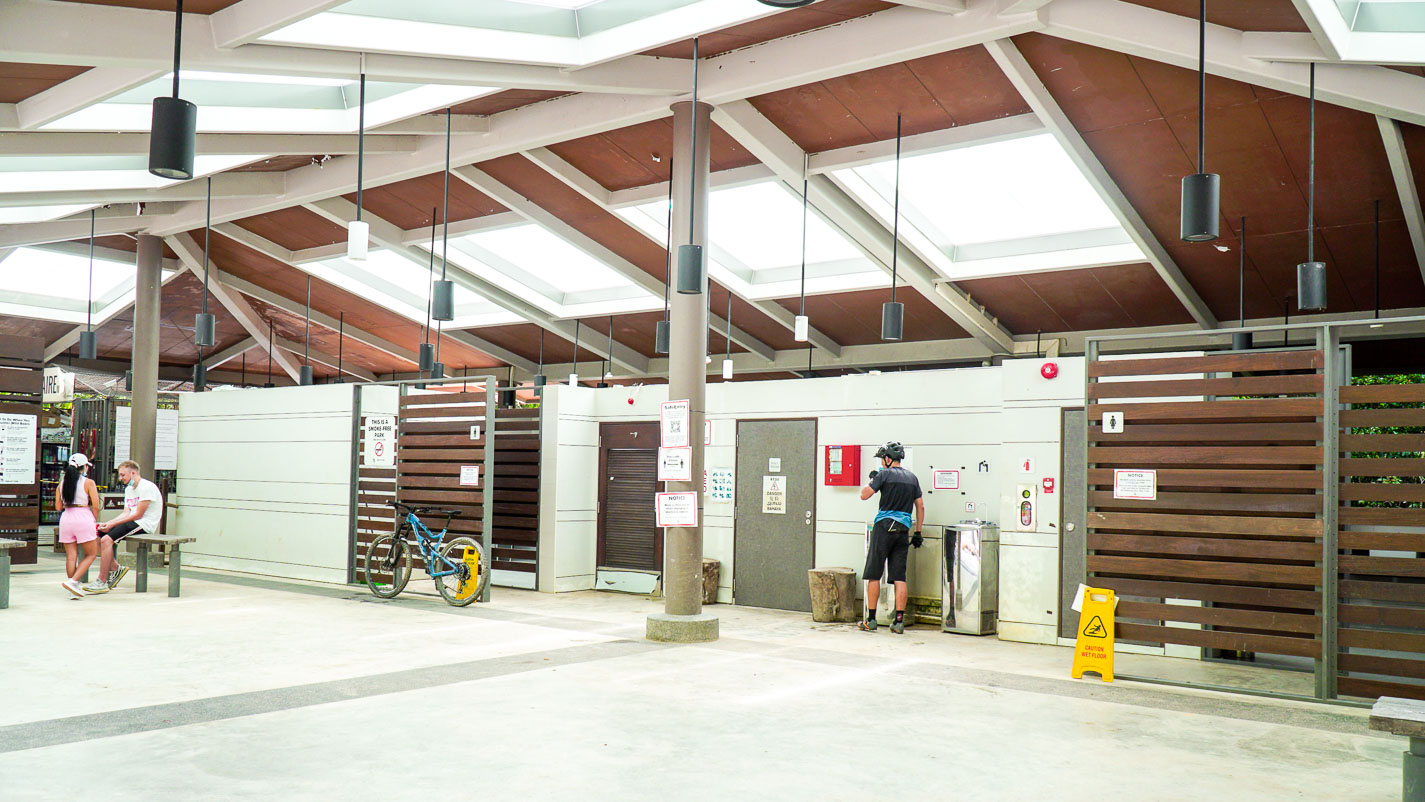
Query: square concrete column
145	352
683	619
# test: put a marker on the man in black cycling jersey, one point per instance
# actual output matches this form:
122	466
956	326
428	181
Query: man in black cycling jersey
890	534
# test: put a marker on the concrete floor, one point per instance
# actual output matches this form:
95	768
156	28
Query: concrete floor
248	688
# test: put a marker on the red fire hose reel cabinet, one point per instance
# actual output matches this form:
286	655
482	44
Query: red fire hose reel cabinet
842	465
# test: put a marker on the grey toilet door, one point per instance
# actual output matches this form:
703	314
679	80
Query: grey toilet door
772	550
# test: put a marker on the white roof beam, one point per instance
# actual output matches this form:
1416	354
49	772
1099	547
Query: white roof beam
319	357
192	257
388	235
231	352
1326	24
943	6
988	132
1023	6
15	235
433	124
108	36
92	86
593	249
225	185
777	150
592	190
1405	187
1017	69
69	143
249	20
459	228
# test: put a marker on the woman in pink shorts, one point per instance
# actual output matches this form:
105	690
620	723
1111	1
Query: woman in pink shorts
78	499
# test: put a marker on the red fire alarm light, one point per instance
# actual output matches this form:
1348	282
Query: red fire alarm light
1049	370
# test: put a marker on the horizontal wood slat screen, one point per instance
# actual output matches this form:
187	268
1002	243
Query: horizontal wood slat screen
1381	632
21	388
1227	554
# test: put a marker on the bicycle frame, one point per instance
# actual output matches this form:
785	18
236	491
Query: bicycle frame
427	541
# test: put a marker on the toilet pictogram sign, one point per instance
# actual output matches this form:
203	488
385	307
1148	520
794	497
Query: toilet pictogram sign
1093	649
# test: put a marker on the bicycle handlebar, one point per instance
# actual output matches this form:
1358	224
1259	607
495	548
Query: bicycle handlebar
421	510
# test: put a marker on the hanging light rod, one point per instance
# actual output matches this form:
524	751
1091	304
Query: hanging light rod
801	325
1202	190
691	274
442	299
358	231
893	312
204	324
1311	274
173	131
88	343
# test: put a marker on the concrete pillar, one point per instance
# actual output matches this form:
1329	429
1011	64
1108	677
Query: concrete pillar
145	353
683	619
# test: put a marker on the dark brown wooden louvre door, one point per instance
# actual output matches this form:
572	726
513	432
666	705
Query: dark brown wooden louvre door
630	534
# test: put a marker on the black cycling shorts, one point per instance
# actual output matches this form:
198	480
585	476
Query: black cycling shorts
122	531
890	543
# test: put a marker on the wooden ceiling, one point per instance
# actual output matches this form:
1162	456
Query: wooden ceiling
22	81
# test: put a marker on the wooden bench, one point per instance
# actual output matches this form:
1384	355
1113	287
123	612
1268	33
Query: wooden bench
175	559
1405	717
5	546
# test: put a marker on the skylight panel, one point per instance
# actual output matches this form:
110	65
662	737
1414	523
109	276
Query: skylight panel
548	258
62	276
127	173
38	214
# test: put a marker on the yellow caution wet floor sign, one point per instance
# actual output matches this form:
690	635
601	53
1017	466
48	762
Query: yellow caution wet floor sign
468	586
1093	650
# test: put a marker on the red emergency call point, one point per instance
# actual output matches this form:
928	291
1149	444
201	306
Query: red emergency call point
1048	484
842	466
1049	370
630	402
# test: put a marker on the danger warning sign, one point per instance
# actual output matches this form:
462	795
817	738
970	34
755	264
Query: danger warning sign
1093	649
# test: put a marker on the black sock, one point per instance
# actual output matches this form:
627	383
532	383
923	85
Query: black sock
871	616
900	616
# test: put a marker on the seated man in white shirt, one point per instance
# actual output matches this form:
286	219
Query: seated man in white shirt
143	508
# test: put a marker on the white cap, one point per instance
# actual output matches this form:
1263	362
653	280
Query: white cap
78	460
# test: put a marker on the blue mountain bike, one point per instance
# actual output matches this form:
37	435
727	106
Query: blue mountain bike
460	567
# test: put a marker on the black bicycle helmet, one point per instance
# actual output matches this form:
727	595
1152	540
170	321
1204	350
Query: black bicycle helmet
894	450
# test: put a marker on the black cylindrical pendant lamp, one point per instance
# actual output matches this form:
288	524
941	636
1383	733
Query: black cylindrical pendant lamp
304	375
128	381
437	370
204	328
540	380
172	138
690	269
1242	341
442	300
1201	210
1201	190
200	377
1311	286
88	345
427	358
892	320
662	332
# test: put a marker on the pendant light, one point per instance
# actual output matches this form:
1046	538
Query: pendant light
608	372
200	376
204	324
88	342
340	343
442	304
270	352
893	313
539	378
662	330
358	231
690	256
1242	340
1311	274
128	381
801	325
173	131
305	374
574	377
427	351
1202	189
727	359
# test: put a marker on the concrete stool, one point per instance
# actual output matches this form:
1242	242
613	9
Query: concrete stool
5	545
1405	717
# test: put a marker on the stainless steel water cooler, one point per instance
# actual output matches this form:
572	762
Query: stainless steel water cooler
969	586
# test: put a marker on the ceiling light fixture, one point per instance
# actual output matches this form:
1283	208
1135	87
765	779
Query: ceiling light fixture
1202	189
539	378
204	324
727	358
427	351
358	232
442	305
305	374
801	325
691	275
662	331
574	377
1311	274
893	313
270	352
340	342
173	131
609	370
1377	257
1242	340
88	343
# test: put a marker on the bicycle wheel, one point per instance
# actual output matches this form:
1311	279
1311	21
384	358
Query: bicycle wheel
388	556
465	585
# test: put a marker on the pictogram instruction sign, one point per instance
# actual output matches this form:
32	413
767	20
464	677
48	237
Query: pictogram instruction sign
1113	423
675	464
17	449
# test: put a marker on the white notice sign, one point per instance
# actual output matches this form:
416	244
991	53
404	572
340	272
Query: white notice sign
469	475
1141	485
674	420
1113	423
774	495
677	509
379	449
17	448
774	465
165	447
675	464
947	480
720	484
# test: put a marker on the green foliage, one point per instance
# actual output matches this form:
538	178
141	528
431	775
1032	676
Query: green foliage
1404	378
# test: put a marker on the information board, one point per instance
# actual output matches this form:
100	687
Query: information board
677	509
18	434
673	424
165	447
675	464
379	446
1133	484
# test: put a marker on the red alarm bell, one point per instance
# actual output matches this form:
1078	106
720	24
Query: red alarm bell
1049	370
